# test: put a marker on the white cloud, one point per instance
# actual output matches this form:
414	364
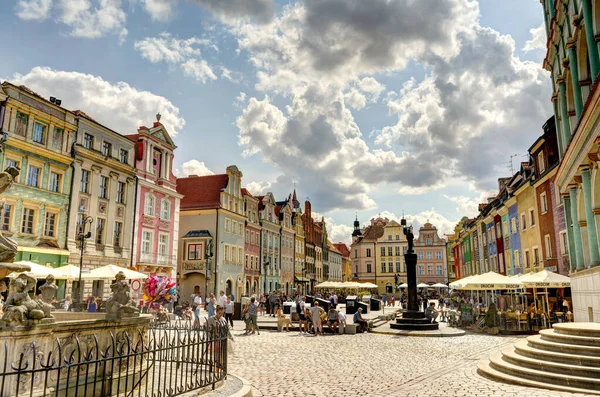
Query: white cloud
538	39
93	18
372	87
194	167
258	188
443	224
117	105
355	99
235	11
335	232
160	10
37	10
182	52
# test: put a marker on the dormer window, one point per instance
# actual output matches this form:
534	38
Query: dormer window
149	205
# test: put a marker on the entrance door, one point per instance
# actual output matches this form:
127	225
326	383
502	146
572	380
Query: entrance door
388	288
229	288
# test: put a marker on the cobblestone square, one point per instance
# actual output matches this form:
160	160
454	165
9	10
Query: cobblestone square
286	364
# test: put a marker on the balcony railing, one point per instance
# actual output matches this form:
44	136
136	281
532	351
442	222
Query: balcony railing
158	258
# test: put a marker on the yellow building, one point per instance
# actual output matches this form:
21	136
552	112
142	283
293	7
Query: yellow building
531	259
391	246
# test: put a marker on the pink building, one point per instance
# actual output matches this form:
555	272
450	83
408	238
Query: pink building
252	245
156	225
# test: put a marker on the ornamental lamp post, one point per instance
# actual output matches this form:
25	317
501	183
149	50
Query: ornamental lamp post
82	236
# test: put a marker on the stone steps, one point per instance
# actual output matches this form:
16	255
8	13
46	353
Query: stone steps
524	349
552	336
484	367
566	358
415	327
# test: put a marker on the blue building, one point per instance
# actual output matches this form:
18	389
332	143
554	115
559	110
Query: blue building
515	241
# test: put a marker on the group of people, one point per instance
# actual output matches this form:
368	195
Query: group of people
210	305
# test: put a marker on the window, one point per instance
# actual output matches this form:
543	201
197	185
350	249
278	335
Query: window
383	267
368	252
428	241
121	192
226	248
420	270
548	246
50	224
382	251
505	226
420	255
247	238
118	233
531	217
146	242
83	184
527	260
11	163
88	141
57	138
523	222
429	255
227	225
165	209
103	187
397	251
107	149
391	267
543	203
540	162
5	218
397	267
39	133
429	269
498	233
28	221
513	225
389	237
240	255
438	270
438	254
194	252
21	124
517	262
356	253
163	245
54	182
100	231
404	249
246	263
368	268
398	237
564	245
149	205
536	257
390	249
33	176
124	156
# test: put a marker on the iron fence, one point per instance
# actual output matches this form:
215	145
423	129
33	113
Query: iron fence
162	360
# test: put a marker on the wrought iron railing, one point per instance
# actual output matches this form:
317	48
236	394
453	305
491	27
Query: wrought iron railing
158	258
167	359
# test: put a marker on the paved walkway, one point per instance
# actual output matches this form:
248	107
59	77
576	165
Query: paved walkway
285	364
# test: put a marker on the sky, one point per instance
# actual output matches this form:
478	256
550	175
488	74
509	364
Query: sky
369	108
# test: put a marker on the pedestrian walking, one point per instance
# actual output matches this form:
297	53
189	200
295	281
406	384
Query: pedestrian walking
252	306
229	311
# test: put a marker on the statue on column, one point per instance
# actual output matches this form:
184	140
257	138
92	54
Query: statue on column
120	305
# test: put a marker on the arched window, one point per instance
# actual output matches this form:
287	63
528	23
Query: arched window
149	204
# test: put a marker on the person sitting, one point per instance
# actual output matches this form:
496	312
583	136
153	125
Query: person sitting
308	317
332	319
283	321
431	313
360	321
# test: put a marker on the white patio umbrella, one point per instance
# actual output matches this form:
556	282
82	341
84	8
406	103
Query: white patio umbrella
490	281
73	272
404	285
349	284
40	272
456	284
439	285
368	285
545	279
327	284
109	272
423	285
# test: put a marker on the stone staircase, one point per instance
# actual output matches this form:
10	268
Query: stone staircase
564	358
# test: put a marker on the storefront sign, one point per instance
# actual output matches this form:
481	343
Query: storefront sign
193	266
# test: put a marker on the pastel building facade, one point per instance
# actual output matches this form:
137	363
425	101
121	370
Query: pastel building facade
252	246
156	225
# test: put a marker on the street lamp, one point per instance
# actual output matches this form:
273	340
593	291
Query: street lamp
82	236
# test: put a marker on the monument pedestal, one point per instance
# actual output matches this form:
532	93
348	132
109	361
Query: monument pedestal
413	319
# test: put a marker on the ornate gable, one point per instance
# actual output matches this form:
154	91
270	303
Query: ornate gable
160	133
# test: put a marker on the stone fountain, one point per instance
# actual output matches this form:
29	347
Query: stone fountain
32	329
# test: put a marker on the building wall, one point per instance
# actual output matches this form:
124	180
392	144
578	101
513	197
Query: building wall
515	239
530	234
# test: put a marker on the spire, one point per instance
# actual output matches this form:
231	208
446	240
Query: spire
356	231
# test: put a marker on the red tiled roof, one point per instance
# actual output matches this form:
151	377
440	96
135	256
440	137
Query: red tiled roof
133	137
84	114
343	248
245	192
278	210
201	192
373	232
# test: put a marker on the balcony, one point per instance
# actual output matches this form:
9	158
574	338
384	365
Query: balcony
156	258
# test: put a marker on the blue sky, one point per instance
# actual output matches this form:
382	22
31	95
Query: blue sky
400	106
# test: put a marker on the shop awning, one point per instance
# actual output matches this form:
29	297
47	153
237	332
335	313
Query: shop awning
301	280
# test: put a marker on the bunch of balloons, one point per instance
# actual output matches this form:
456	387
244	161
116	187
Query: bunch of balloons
159	290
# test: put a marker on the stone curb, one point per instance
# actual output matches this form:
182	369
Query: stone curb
245	391
420	334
